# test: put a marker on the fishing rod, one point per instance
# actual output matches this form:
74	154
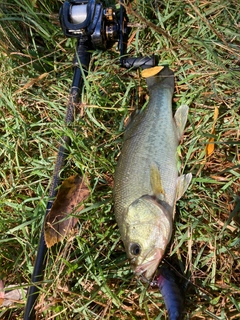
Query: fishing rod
94	27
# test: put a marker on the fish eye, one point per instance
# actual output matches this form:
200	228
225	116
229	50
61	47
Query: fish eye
135	249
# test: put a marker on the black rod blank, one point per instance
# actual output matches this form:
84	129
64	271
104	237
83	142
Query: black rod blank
83	57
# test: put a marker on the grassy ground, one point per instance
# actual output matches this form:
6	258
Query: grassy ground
88	276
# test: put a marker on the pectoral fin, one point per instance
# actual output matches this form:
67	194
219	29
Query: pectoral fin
156	182
182	185
180	118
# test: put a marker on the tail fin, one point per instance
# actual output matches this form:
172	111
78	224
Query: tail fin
165	78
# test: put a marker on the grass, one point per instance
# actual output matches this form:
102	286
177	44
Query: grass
87	276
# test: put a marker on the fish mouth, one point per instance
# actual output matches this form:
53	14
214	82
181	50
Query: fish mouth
147	269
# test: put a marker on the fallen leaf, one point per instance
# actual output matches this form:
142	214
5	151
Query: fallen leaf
146	73
9	295
210	145
58	223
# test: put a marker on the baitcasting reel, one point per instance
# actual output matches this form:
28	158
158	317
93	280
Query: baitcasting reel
103	26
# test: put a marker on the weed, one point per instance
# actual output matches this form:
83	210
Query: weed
88	276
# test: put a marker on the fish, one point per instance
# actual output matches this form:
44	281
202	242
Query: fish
171	292
146	181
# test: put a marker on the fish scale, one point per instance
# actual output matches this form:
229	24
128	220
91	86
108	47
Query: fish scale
146	176
142	148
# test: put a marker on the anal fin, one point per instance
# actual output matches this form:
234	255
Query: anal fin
182	185
180	118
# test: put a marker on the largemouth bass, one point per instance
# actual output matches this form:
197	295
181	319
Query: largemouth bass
147	185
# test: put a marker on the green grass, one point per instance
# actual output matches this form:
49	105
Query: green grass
87	276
